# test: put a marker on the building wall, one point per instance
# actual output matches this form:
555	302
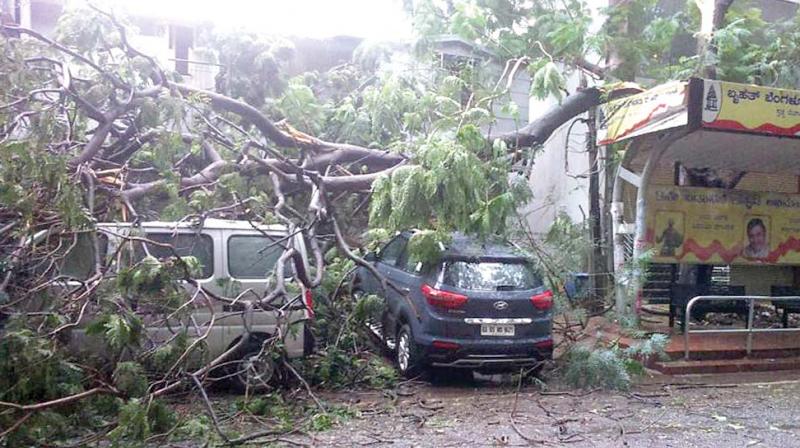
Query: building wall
490	70
559	175
154	36
759	279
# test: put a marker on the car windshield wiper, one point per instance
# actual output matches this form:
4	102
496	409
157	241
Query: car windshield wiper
506	287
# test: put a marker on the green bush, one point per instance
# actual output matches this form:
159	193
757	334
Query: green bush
610	367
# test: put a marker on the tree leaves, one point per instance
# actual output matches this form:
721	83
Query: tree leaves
118	330
547	81
129	379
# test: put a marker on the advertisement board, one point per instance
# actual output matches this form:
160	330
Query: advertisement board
662	107
716	226
748	108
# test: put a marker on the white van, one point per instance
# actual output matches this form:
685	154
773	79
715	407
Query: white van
236	258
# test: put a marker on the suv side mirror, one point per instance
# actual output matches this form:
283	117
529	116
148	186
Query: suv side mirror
371	257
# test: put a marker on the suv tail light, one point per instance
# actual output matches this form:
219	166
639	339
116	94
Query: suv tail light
309	301
443	299
444	345
543	301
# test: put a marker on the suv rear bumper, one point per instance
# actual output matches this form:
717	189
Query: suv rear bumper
488	354
492	363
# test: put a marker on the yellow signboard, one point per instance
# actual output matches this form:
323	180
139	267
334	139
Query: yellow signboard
715	226
659	108
749	108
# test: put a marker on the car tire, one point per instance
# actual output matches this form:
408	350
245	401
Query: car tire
250	372
407	354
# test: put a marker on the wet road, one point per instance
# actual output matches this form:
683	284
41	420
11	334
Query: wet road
761	410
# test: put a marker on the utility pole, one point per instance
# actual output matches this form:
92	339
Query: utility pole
597	259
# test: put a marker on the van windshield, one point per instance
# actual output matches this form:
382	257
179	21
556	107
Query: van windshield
490	276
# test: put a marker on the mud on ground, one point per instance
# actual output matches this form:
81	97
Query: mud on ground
743	410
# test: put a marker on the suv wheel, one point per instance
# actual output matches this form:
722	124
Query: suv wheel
407	353
253	370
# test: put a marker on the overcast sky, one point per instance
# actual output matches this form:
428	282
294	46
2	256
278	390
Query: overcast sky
376	19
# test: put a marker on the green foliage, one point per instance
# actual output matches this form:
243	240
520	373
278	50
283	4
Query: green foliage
119	331
251	64
129	379
453	186
32	368
610	367
138	420
36	181
326	420
588	368
345	355
548	81
301	108
166	355
425	246
156	279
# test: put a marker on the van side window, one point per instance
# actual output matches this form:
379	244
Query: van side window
195	245
79	261
253	256
391	252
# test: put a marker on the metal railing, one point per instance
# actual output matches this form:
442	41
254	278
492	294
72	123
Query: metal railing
749	330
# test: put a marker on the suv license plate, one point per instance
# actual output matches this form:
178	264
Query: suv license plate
497	330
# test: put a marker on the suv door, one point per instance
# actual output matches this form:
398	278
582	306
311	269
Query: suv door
386	257
386	264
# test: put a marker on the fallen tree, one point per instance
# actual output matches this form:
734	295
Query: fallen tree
93	130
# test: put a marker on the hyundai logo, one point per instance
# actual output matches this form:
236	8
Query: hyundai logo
500	305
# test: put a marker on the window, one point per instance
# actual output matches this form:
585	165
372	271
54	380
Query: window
407	263
253	256
490	276
186	245
79	261
391	252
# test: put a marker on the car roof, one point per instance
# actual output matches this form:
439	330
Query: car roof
210	223
464	246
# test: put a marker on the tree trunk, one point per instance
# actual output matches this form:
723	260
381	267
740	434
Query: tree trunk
712	15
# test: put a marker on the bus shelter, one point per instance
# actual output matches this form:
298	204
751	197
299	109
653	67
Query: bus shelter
708	191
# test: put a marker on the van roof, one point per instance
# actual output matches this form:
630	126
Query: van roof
210	223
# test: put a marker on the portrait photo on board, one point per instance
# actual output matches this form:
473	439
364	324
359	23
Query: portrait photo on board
669	233
756	240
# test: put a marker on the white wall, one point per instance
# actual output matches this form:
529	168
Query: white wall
559	175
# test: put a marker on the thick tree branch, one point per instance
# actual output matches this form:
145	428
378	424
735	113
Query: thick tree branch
290	137
539	130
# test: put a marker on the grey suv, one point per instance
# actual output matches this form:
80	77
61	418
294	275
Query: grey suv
482	307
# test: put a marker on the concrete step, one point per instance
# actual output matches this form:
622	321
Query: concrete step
729	354
732	346
683	367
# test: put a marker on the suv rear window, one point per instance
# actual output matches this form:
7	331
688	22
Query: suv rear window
490	276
